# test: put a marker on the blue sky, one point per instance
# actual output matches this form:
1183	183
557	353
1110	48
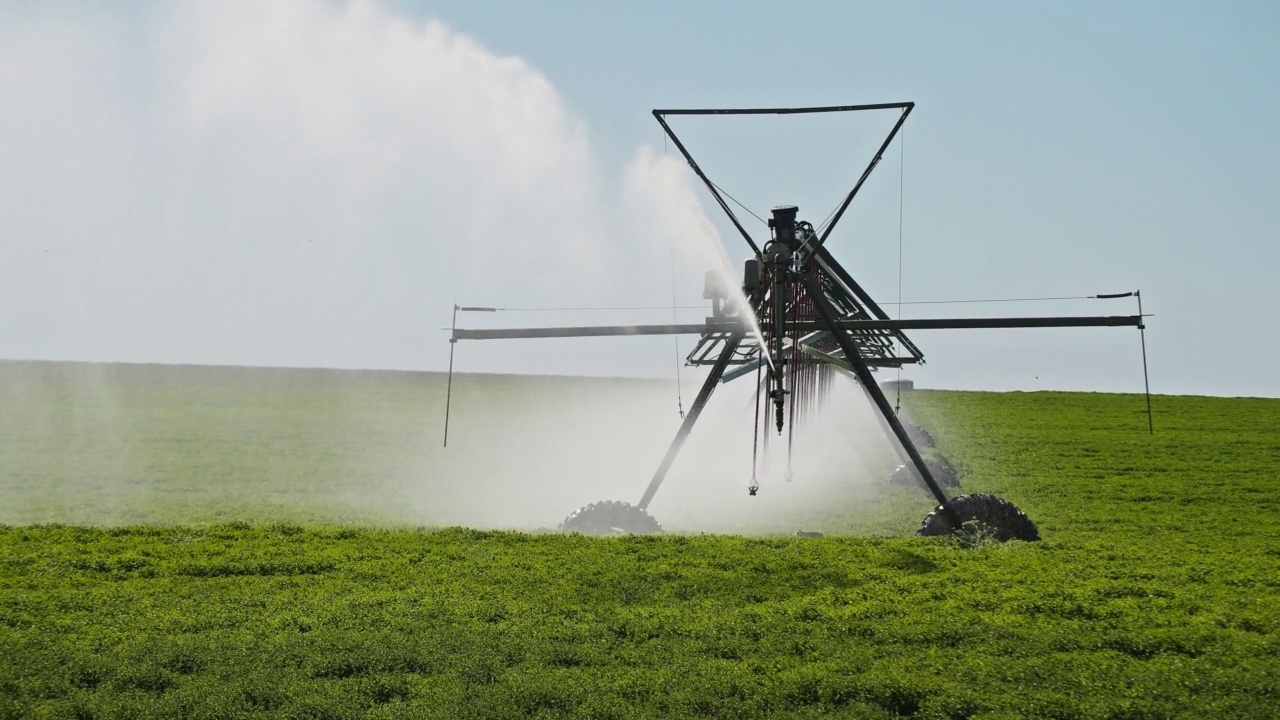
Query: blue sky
1054	151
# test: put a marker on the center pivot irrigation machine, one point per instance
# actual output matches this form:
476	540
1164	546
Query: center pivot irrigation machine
800	318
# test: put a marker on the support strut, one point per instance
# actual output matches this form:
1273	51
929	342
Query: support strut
709	386
863	372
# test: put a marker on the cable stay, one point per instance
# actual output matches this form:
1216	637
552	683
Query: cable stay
676	338
744	207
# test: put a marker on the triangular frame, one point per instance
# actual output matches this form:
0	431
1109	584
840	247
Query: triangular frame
661	116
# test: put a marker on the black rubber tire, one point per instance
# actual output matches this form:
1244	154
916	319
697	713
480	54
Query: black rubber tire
611	517
918	435
981	515
942	472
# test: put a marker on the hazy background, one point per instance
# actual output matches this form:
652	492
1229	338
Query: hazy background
316	183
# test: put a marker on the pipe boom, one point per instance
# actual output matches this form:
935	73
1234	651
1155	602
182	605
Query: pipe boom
800	327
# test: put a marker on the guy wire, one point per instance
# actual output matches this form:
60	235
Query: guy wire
675	320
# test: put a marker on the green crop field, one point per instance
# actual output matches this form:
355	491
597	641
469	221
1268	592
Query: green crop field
197	542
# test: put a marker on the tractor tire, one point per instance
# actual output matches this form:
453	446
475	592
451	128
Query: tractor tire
981	515
610	517
942	472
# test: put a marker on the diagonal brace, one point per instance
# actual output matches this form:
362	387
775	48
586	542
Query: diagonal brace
863	372
709	386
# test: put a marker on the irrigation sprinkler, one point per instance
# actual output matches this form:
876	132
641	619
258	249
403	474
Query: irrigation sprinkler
800	317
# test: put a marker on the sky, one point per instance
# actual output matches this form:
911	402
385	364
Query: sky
305	183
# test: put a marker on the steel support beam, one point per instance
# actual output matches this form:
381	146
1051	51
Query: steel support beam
713	379
872	388
591	331
803	327
989	323
784	111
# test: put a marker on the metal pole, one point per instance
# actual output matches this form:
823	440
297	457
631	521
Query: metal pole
868	381
448	393
730	347
453	340
1146	382
784	111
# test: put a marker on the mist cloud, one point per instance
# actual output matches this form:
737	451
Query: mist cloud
300	183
